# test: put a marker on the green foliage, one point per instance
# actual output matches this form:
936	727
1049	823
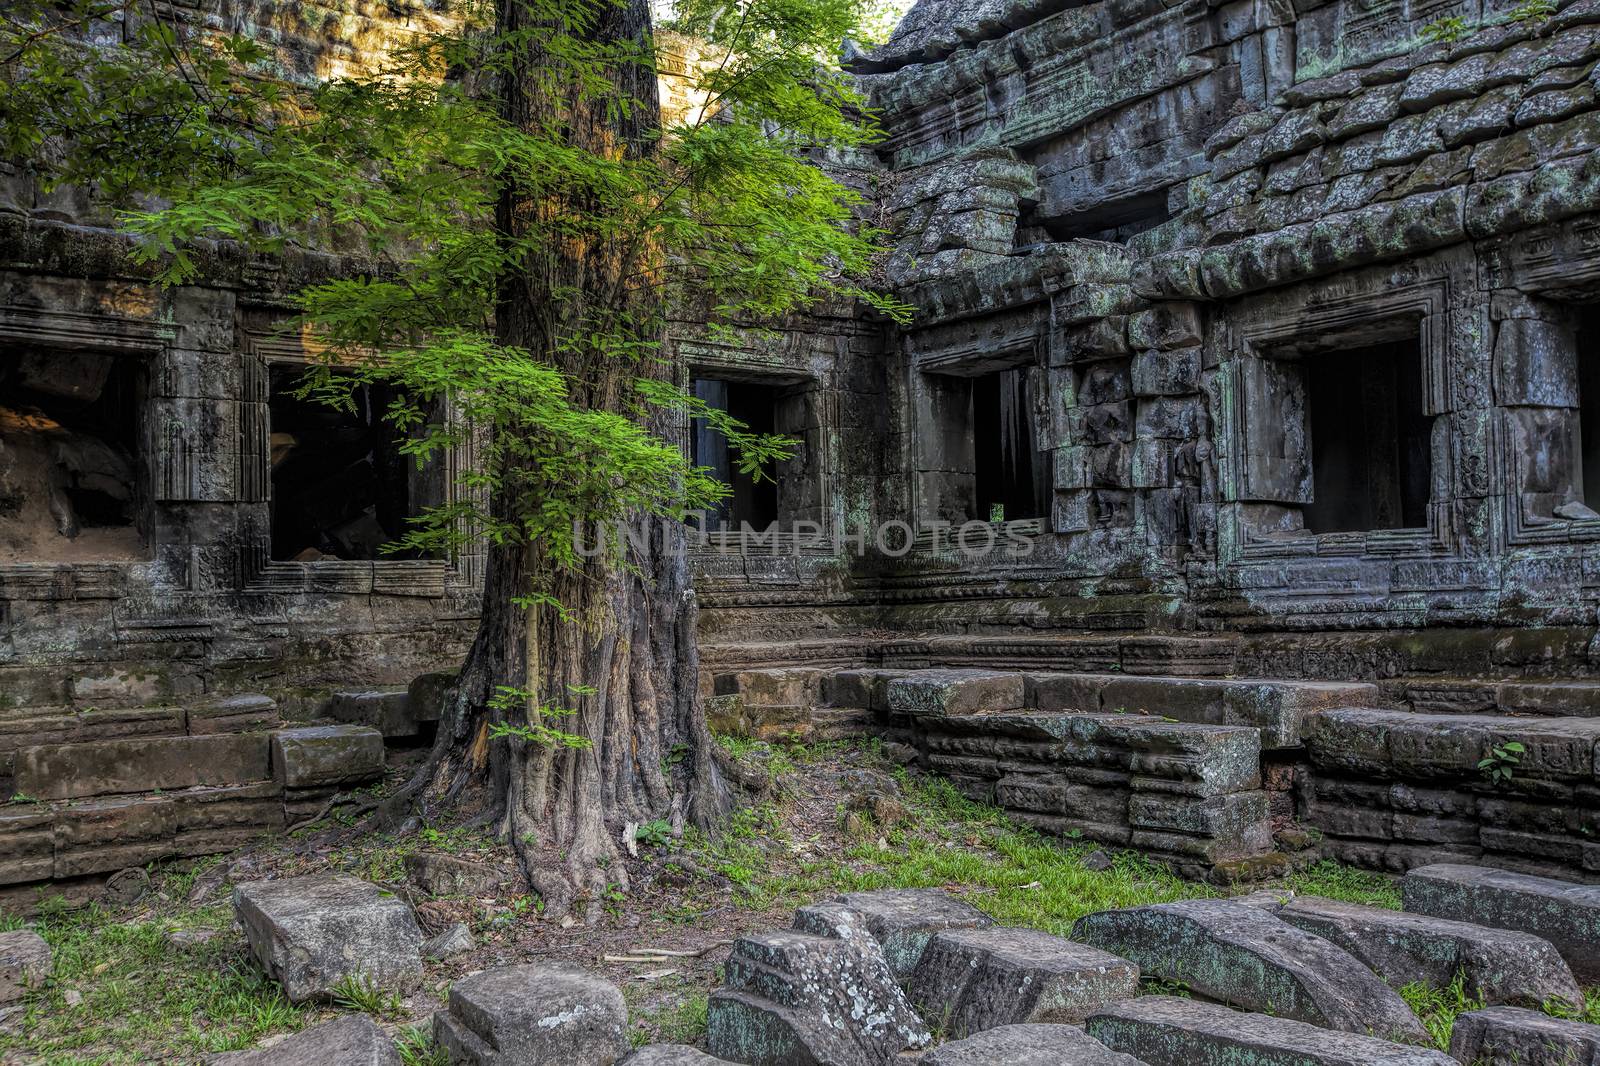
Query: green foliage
1530	10
1500	765
358	992
1447	30
511	699
1438	1008
416	1046
654	834
1331	881
413	164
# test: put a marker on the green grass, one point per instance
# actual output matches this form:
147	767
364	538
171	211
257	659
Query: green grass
1332	881
1438	1008
146	999
1017	875
682	1021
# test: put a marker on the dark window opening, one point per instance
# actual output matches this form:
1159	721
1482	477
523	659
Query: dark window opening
1371	443
1011	479
752	501
1116	220
70	484
1588	356
341	488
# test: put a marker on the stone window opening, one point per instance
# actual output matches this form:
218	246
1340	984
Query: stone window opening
1011	478
1369	438
757	405
1115	221
71	432
341	487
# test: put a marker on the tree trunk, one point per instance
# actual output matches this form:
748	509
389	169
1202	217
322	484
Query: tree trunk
619	651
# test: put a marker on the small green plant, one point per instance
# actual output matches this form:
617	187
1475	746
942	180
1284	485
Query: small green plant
359	992
1446	30
509	699
656	834
1529	10
22	797
1438	1008
1500	765
416	1046
997	513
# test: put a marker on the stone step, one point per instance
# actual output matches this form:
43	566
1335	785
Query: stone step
296	771
1563	912
1499	966
142	764
1244	955
1171	1031
1513	1036
1028	1045
1385	743
1519	696
976	979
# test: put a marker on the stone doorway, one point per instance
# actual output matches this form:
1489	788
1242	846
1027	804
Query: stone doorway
1011	480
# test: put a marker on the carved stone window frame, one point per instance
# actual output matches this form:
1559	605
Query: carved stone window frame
122	337
260	573
1317	317
702	358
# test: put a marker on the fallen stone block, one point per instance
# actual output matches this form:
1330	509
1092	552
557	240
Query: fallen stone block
448	875
975	979
541	1014
326	755
25	963
235	714
1498	965
1248	957
867	689
956	692
787	688
354	1040
672	1055
1171	1031
903	920
387	711
1563	912
453	942
796	998
1028	1045
426	695
312	933
1512	1036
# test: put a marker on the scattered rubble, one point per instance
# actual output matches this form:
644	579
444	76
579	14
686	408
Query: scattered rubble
353	1040
25	963
542	1014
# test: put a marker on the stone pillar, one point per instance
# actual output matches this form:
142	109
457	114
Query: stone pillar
1536	392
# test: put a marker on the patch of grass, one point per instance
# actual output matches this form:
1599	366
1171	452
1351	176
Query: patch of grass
416	1046
1014	873
144	998
680	1022
1438	1008
358	993
1330	880
1589	1012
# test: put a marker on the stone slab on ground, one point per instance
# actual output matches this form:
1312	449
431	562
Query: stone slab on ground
976	979
245	713
353	1040
1563	912
426	694
672	1055
793	997
25	963
540	1014
956	692
1171	1031
326	755
311	933
1246	956
1028	1045
903	920
451	875
1512	1036
1499	966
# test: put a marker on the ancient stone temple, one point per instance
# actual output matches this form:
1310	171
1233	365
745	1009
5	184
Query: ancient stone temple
1228	495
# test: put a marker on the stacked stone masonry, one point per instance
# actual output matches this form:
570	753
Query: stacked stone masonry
1249	341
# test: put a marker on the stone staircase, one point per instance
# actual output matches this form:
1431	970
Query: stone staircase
92	791
1200	771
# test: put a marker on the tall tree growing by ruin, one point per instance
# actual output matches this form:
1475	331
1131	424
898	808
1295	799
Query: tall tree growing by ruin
523	220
